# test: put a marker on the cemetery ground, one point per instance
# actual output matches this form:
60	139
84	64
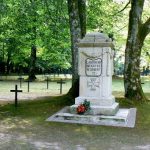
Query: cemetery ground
25	128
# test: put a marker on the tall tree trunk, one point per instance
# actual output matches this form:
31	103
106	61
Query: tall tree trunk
136	37
77	20
8	61
32	63
82	16
75	31
32	67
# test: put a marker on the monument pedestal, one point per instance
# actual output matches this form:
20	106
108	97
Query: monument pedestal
98	106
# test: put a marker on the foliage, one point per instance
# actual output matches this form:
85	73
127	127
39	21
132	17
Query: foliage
17	20
102	15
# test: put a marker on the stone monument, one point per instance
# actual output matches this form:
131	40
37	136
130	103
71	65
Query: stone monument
95	73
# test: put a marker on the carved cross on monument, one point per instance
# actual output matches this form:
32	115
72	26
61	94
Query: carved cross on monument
93	83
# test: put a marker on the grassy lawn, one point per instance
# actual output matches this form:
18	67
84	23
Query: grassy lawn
36	87
25	128
40	86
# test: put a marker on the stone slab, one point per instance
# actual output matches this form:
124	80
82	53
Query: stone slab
123	118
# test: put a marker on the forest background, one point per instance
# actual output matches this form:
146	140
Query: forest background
35	35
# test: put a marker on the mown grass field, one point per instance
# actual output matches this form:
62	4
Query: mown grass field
40	85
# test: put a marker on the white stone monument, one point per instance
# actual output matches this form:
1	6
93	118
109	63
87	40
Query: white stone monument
95	72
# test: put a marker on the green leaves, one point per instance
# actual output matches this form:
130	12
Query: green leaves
44	23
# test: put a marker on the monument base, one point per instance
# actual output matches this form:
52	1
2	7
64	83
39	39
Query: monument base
123	118
107	101
99	106
98	110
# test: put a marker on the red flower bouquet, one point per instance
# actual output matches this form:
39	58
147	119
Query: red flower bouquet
82	108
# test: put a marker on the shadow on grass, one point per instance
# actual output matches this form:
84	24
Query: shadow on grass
38	111
41	107
29	120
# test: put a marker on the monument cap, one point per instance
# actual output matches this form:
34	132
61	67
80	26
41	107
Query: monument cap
96	39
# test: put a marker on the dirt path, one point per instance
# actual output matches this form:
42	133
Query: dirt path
64	138
6	97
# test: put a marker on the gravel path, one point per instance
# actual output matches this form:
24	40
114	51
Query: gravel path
9	97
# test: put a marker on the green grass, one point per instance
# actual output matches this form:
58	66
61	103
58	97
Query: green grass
28	120
35	108
41	86
54	88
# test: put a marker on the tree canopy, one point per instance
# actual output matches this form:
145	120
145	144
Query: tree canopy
45	24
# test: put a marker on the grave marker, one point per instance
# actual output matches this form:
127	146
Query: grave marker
28	81
95	73
47	82
20	80
61	82
16	96
95	70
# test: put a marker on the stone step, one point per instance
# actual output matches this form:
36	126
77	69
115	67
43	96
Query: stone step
123	118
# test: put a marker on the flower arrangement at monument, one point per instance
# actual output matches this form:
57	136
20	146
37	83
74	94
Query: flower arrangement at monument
84	107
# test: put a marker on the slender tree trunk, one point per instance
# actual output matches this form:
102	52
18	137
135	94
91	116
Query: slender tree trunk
8	61
32	63
82	16
77	20
3	52
136	36
32	67
75	31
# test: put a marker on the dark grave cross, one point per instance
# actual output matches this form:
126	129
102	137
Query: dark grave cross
20	79
61	82
47	81
1	78
28	85
16	92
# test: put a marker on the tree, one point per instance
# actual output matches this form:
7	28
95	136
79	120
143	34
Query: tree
137	32
102	15
56	39
77	20
32	66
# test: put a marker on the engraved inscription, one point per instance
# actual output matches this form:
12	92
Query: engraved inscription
93	67
93	83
